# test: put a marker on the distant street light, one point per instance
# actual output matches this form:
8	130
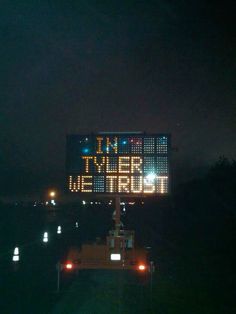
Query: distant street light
52	194
51	197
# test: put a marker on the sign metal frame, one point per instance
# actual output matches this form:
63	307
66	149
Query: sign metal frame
94	151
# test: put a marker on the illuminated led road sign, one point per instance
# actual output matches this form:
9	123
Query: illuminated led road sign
123	163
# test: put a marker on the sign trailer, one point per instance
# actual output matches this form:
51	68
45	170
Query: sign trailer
116	165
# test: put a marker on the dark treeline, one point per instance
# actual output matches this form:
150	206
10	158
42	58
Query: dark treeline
204	219
193	240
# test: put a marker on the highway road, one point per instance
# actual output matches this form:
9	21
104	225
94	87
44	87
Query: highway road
105	291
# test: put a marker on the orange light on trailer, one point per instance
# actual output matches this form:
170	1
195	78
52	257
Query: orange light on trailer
141	267
69	266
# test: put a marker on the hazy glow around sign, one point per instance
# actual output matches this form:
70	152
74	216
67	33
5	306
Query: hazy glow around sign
150	177
115	257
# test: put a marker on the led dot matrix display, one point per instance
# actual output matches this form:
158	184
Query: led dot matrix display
125	163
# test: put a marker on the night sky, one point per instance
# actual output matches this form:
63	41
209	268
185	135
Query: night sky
87	66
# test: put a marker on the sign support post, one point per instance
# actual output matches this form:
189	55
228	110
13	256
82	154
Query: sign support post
117	215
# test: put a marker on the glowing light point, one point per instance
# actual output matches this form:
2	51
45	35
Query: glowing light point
76	225
45	237
85	150
115	257
59	230
52	194
141	267
16	251
69	266
16	256
150	177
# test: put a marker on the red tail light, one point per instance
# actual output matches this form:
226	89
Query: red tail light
69	266
141	267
